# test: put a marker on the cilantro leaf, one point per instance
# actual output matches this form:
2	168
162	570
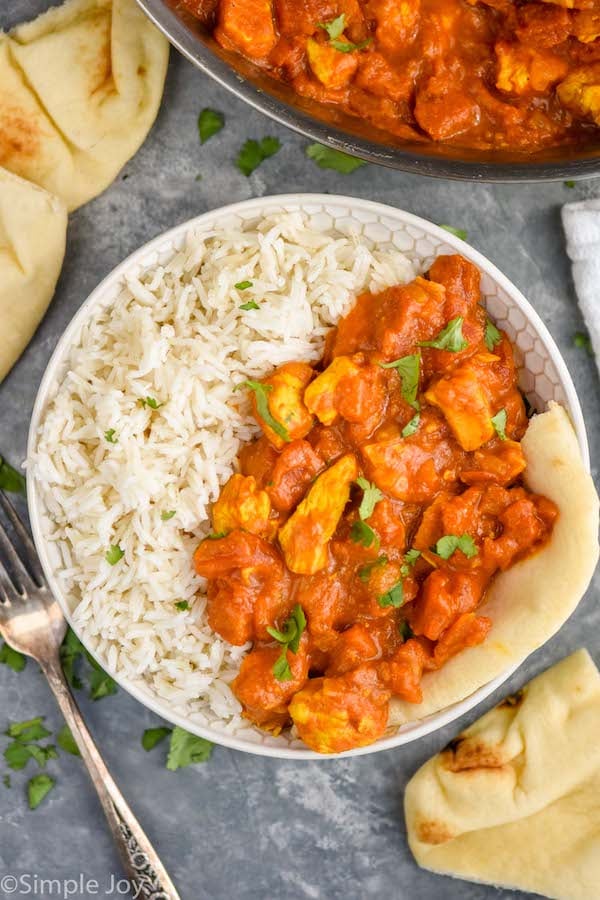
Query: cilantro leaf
405	630
446	546
101	684
457	232
251	304
186	748
361	533
281	669
289	638
151	402
408	368
17	754
70	651
499	423
216	536
335	28
580	339
153	736
253	153
10	479
114	554
569	184
66	741
29	730
37	788
411	556
348	46
210	122
182	605
261	392
243	285
371	497
412	426
110	436
394	597
492	335
168	514
12	658
364	573
328	158
450	338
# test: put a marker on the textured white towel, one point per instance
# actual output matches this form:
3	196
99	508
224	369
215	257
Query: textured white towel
581	222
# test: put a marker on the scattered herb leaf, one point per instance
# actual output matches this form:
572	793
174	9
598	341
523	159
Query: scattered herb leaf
12	658
210	122
261	392
580	339
17	754
408	368
216	535
37	788
253	153
361	533
66	741
101	684
251	304
289	638
371	497
328	158
364	573
151	402
394	597
186	748
114	554
168	514
405	630
570	184
110	436
457	232
446	546
499	423
335	28
182	605
243	285
411	556
30	730
153	736
412	426
450	338
70	651
11	480
492	335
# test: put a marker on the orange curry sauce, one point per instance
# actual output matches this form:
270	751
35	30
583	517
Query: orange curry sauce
371	516
486	74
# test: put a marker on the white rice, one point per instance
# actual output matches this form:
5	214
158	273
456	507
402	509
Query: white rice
177	334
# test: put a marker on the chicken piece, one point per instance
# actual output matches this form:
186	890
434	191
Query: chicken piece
580	92
460	278
445	112
285	403
542	25
247	26
242	505
327	606
352	647
332	68
444	596
468	631
350	388
586	26
341	712
304	18
500	463
305	536
294	470
264	698
403	672
397	23
525	70
526	523
462	397
376	76
258	459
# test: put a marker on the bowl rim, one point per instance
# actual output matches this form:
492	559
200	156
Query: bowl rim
261	205
391	156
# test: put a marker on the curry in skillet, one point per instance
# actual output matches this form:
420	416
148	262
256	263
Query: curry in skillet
485	74
365	525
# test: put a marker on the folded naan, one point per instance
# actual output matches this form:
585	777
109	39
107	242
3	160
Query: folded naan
514	800
80	87
33	227
530	601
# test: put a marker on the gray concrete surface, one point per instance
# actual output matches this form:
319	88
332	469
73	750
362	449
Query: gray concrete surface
243	827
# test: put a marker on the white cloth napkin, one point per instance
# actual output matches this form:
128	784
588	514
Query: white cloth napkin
581	222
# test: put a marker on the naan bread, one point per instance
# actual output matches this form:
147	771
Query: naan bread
515	800
33	228
80	87
528	603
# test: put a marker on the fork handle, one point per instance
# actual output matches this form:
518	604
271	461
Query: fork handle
146	873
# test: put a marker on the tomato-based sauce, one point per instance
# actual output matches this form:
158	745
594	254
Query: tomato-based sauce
358	540
486	74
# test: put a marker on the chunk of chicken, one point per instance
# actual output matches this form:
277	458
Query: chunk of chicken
264	698
586	26
242	505
319	396
341	712
445	595
461	396
349	388
444	112
247	26
501	464
397	22
403	672
460	278
332	68
580	92
305	536
468	631
294	470
285	402
526	70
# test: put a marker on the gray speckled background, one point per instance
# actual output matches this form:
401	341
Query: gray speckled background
240	826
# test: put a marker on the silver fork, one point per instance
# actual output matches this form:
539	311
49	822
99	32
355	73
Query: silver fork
32	622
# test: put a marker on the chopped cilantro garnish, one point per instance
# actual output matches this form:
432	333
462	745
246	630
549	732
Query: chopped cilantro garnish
361	533
186	748
243	285
289	638
261	392
411	426
411	556
450	338
446	545
364	573
153	736
405	630
167	514
335	29
569	184
251	304
580	339
110	436
216	535
210	122
253	153
114	554
492	335
37	788
12	658
10	479
182	605
394	597
29	730
151	402
499	423
408	368
18	754
101	684
457	232
328	158
66	741
371	497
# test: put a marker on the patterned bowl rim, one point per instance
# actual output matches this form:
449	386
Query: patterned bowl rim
104	293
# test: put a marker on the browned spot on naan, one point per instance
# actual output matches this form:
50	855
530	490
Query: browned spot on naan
466	755
19	134
431	831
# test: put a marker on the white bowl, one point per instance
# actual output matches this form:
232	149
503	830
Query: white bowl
542	372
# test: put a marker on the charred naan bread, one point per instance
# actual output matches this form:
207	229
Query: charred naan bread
33	227
530	601
514	800
80	87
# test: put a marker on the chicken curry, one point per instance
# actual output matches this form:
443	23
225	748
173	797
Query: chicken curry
356	543
514	75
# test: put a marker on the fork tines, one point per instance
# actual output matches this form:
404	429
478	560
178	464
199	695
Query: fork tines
19	564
